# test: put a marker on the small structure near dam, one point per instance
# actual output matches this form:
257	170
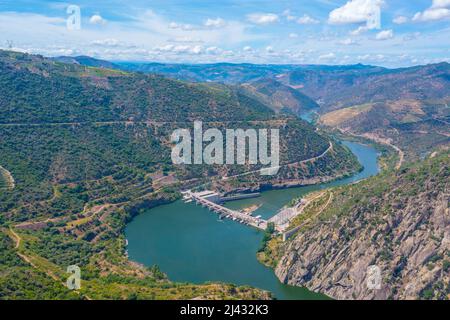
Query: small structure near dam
213	201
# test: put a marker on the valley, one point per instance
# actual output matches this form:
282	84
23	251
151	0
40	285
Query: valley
89	150
86	174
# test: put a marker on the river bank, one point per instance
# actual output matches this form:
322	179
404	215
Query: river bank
190	244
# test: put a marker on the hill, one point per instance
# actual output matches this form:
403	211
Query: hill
228	73
279	97
87	61
398	221
334	88
89	149
415	127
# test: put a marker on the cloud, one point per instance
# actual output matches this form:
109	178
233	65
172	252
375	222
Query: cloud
180	49
400	20
270	49
247	49
439	10
307	20
144	37
348	42
97	19
440	4
411	36
373	58
185	40
293	35
385	35
182	26
432	15
197	49
213	50
360	30
328	56
355	11
110	42
287	14
215	23
263	18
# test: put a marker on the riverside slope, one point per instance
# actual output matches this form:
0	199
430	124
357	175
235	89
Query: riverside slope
399	221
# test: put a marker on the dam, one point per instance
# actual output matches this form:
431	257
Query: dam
211	200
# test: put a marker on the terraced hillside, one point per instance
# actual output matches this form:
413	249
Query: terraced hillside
412	127
89	148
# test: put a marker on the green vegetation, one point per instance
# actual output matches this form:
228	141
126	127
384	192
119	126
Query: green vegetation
378	218
269	247
89	149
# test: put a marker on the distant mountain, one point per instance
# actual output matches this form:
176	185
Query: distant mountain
332	87
362	99
87	61
279	97
219	72
339	88
231	73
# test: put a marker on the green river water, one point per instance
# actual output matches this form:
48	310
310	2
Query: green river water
190	244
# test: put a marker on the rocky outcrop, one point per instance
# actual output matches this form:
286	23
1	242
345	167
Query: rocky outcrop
398	222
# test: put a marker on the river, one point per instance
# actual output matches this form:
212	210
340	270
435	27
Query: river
190	244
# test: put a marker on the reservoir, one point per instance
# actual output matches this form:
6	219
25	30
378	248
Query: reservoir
190	244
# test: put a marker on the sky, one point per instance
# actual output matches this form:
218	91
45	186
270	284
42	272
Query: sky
391	33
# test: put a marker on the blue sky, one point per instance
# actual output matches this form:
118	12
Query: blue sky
257	31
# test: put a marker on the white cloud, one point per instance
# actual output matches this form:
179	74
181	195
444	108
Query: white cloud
97	19
145	37
197	49
247	49
411	36
360	30
293	35
439	10
270	49
287	14
213	50
432	15
355	11
307	20
180	49
385	35
110	42
215	23
328	56
348	42
186	40
182	26
372	58
440	4
400	20
262	18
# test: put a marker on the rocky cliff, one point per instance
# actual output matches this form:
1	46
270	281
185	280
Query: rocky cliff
398	222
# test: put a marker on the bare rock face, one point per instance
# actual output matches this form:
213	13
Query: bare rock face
404	230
